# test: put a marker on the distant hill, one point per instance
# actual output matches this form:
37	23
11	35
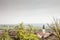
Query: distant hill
11	25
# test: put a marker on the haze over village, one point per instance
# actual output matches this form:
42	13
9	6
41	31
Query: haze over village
29	19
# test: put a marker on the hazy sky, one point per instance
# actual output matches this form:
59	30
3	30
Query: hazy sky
28	11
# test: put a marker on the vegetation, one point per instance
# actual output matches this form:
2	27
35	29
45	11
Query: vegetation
23	34
4	35
55	27
20	32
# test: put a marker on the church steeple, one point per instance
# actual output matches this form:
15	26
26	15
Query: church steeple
43	26
43	30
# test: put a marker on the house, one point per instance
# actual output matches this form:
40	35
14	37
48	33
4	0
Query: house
12	32
2	32
47	36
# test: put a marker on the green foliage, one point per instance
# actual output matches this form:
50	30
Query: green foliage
5	36
23	34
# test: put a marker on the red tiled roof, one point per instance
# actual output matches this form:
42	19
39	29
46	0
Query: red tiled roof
40	34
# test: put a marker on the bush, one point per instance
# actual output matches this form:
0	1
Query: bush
56	28
23	34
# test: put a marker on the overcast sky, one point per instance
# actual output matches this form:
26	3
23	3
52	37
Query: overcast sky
28	11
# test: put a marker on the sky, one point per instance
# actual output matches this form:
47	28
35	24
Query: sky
28	11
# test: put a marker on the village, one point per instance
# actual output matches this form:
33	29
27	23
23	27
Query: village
29	19
21	33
